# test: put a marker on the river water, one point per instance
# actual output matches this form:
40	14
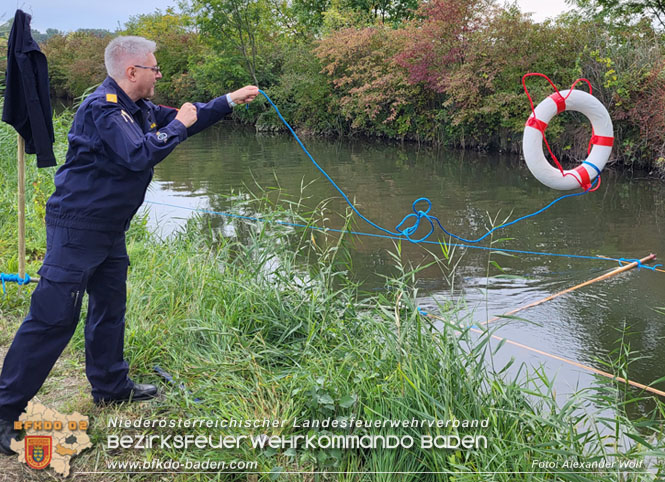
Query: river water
624	218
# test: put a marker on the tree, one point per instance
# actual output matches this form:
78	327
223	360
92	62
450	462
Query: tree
241	25
623	12
392	11
310	14
76	62
98	32
440	36
373	90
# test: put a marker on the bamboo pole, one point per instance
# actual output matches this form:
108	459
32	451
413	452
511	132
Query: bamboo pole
21	205
641	386
576	364
614	272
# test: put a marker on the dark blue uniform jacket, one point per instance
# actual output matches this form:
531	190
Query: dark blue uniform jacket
114	143
27	104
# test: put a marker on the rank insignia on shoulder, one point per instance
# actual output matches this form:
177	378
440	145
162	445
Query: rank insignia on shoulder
112	98
162	136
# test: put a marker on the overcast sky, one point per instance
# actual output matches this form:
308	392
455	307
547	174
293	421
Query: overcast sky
543	9
70	15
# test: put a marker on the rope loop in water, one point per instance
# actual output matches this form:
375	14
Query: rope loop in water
639	263
386	236
418	215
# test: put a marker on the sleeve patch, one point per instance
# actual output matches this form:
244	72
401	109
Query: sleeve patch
112	98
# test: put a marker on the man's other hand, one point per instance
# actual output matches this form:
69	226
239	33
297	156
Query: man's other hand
187	114
244	95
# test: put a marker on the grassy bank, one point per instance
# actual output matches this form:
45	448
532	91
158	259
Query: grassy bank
254	332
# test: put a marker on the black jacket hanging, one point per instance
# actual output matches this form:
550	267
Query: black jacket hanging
27	104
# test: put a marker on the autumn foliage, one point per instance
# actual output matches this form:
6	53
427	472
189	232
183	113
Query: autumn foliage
76	61
453	75
374	91
447	72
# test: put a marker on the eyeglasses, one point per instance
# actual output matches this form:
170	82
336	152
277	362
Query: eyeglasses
155	69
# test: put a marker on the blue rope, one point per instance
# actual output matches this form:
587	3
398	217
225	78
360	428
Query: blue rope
418	215
592	165
13	278
639	263
397	237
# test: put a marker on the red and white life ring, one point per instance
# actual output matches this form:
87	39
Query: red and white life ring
602	140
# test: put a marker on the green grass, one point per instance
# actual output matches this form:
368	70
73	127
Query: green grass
270	326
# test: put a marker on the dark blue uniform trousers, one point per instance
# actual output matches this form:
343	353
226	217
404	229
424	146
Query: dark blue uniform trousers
76	261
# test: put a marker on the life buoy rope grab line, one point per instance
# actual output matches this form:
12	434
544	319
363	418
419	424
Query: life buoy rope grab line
600	144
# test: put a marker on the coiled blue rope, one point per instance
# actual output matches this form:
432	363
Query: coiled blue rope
417	216
13	278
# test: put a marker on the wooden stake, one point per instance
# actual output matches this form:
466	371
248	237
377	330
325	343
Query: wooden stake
21	205
614	272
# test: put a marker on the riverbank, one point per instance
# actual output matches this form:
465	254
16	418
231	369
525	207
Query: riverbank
445	73
272	329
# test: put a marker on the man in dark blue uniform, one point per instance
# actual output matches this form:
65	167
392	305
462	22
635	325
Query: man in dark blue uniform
117	137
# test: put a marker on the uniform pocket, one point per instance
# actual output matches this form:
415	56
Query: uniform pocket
57	298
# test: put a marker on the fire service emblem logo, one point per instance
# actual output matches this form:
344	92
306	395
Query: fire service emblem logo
38	451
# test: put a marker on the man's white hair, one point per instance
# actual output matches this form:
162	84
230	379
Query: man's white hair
124	51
